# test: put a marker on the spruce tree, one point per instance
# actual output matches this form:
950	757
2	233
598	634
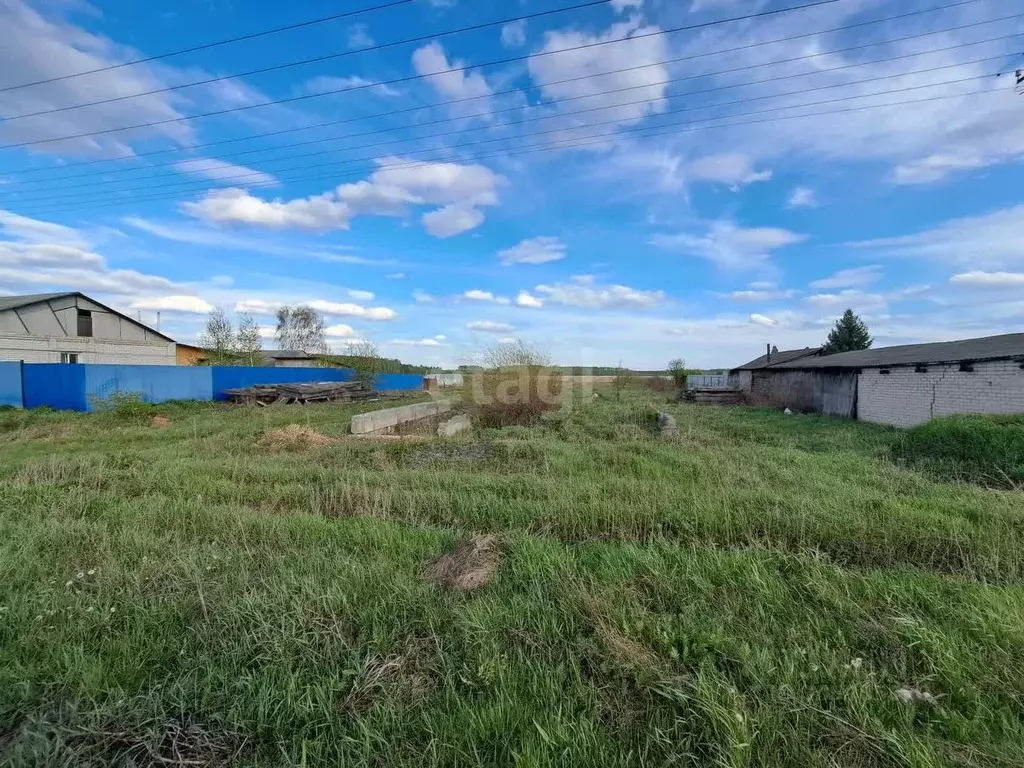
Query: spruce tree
849	334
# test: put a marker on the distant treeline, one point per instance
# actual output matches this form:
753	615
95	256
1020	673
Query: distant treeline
375	364
599	370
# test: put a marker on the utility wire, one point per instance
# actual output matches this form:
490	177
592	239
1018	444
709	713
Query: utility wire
591	141
749	46
322	141
207	46
423	38
610	134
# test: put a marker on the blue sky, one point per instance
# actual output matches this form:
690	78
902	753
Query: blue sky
689	194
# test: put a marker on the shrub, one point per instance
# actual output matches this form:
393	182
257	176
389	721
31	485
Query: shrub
985	449
513	397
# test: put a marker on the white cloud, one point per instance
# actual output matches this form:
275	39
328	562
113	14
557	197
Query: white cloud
731	246
525	299
397	184
336	309
733	168
979	279
67	264
622	5
329	308
858	300
763	294
513	34
218	170
329	84
42	48
450	78
257	307
583	291
340	331
476	295
554	63
803	197
763	320
452	220
488	326
36	231
991	241
184	304
434	342
858	277
359	36
422	297
362	295
395	276
236	206
537	250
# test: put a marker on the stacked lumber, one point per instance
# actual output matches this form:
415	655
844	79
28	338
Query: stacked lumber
313	392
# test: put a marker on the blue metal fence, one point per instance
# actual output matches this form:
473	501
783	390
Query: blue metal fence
86	387
58	385
10	385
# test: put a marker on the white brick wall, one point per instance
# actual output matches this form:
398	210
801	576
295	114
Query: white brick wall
47	349
905	398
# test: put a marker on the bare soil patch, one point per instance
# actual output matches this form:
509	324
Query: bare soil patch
296	437
469	566
161	422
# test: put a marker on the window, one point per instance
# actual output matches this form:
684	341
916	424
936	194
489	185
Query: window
69	357
84	322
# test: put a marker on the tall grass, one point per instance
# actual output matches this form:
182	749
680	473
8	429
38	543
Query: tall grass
755	591
987	449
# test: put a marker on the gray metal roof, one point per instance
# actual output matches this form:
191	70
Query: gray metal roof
1008	346
16	302
26	300
786	356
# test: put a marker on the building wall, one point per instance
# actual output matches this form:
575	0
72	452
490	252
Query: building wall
905	398
47	349
783	389
59	318
741	380
186	355
292	363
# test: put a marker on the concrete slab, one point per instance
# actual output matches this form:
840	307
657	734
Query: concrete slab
366	423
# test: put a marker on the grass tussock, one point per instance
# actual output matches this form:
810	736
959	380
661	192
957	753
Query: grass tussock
756	590
982	449
515	396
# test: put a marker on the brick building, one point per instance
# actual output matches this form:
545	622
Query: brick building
902	386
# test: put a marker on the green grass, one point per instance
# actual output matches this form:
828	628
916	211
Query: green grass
985	449
752	592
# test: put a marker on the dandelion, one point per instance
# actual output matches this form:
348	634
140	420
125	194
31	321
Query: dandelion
856	663
112	609
92	571
80	575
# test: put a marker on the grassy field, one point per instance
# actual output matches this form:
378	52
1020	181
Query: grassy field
759	590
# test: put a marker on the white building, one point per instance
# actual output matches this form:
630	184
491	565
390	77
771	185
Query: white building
72	328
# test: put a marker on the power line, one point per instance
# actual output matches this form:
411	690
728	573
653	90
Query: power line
591	141
322	141
687	126
749	46
215	44
167	121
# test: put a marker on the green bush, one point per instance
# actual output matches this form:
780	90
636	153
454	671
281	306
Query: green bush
985	449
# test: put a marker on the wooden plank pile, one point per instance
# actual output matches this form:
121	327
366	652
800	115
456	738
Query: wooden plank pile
314	392
714	396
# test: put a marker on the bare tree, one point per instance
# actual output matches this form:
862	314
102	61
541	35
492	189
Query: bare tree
515	353
218	338
248	343
364	348
301	328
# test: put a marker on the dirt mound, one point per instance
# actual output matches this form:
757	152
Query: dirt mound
160	422
295	436
469	566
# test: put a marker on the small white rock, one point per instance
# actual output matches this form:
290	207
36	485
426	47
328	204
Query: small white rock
788	412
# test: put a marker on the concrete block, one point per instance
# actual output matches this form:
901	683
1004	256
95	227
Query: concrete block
365	423
454	426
